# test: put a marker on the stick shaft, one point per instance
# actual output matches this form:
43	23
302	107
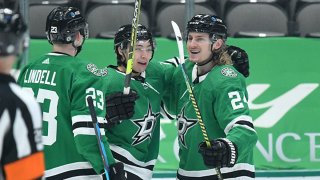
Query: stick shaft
190	90
135	22
98	135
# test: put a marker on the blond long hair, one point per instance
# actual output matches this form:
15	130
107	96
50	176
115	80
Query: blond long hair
223	57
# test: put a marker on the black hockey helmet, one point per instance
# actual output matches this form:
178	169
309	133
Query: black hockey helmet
13	33
211	24
123	37
63	23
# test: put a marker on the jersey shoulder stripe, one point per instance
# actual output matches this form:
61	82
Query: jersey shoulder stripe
81	170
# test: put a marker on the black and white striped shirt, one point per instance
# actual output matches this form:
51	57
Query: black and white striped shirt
21	149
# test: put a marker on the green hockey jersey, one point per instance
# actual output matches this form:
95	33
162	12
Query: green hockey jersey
61	84
135	141
221	97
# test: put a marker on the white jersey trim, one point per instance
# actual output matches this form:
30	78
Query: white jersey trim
127	154
233	124
91	177
241	178
244	126
151	87
71	167
195	74
210	172
141	172
56	54
172	61
86	130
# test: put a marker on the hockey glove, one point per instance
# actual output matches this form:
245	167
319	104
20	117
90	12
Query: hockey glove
120	107
240	60
117	172
223	153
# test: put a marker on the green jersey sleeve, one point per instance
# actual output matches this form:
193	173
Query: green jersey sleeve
87	83
232	112
170	97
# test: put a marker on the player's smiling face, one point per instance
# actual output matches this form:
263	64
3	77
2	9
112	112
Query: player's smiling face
142	56
199	47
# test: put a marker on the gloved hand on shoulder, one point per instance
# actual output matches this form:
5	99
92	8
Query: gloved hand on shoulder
222	153
119	107
240	59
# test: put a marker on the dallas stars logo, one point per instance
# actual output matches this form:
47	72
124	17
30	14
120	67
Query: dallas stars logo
228	72
184	124
146	126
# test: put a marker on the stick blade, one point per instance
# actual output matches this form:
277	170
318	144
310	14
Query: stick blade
176	30
179	39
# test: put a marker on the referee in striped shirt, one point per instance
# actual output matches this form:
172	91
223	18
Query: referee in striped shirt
21	155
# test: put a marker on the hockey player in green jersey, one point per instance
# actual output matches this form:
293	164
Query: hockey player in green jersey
220	92
61	83
135	141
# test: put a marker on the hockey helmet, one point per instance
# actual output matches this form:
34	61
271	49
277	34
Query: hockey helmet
13	33
211	24
63	23
123	37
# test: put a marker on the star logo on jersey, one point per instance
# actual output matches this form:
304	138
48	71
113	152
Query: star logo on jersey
146	126
184	124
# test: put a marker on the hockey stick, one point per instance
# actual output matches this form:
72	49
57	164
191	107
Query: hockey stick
189	88
135	22
98	135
